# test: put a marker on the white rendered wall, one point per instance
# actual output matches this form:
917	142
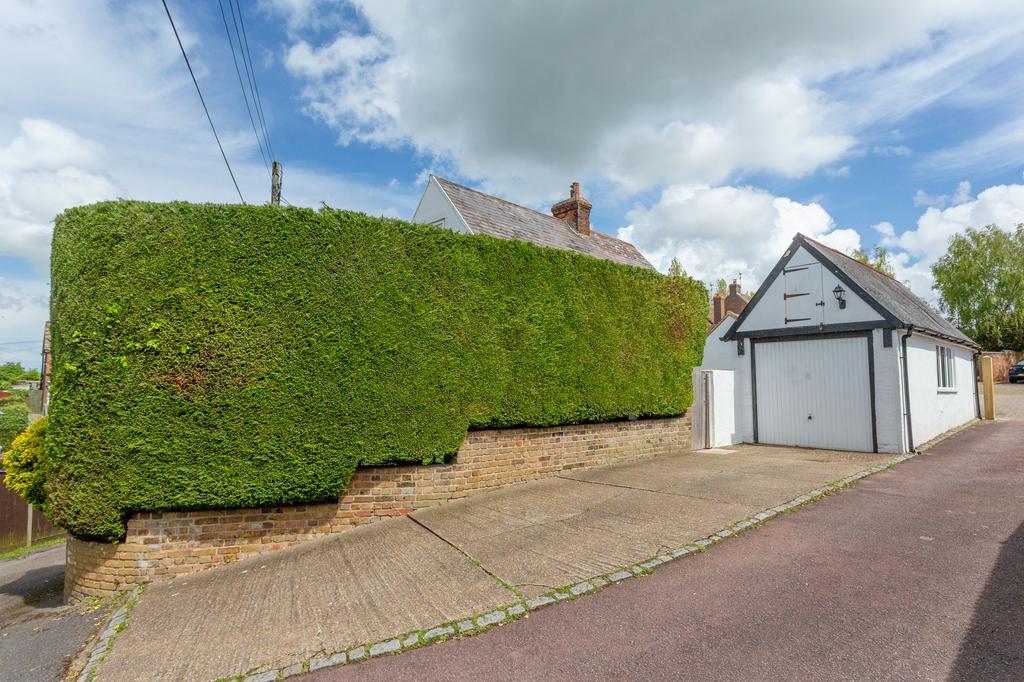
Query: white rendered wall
435	205
888	394
719	354
934	410
743	397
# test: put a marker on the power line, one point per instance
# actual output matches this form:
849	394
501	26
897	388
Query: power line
20	343
248	76
208	117
243	41
245	97
256	84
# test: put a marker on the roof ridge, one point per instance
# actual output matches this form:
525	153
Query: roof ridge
532	210
846	255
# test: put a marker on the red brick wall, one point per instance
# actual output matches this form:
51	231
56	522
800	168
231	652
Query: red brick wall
162	545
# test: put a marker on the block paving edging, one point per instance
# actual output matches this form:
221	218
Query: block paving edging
118	622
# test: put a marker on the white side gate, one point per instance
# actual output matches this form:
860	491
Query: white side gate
713	419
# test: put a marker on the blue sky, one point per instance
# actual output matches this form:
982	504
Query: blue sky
707	132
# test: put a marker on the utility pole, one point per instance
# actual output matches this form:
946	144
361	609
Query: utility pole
275	185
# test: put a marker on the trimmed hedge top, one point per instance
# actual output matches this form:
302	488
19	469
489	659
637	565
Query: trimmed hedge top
212	356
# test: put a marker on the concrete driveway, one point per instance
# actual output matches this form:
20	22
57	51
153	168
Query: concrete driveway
456	561
916	573
39	634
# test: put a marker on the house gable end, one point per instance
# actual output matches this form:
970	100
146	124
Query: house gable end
437	208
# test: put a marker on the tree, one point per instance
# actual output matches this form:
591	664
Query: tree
675	268
13	420
25	464
878	259
980	281
721	287
13	371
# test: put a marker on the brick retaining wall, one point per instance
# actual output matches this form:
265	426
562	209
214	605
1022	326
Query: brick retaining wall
161	545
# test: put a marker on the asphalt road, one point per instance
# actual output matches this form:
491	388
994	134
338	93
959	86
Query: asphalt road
39	634
913	574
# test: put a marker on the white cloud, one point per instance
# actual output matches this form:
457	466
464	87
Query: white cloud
996	149
1002	205
960	195
841	172
914	251
525	96
892	150
727	231
43	170
346	49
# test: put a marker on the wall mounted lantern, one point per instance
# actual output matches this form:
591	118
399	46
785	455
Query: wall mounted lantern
840	293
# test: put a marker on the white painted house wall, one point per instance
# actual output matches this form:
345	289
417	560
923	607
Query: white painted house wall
435	208
719	354
935	410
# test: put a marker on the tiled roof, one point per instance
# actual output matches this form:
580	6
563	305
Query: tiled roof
505	220
899	300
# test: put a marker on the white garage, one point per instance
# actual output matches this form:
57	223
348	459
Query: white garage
831	353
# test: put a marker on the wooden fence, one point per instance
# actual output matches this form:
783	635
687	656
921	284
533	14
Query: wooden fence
20	525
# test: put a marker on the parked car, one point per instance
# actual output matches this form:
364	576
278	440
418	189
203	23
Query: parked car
1016	372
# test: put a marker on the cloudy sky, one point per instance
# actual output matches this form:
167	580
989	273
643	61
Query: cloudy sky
711	132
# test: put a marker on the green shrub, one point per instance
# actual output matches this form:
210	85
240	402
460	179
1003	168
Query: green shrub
25	465
13	420
229	356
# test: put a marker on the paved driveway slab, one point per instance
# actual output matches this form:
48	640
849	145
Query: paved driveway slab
397	576
548	534
368	584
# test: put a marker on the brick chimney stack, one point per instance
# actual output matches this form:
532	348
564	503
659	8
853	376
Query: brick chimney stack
575	210
717	308
734	288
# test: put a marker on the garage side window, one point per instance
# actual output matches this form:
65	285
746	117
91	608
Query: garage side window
944	367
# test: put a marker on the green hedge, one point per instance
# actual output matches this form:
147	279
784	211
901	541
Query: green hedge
213	356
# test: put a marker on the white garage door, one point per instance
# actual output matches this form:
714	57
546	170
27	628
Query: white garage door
814	393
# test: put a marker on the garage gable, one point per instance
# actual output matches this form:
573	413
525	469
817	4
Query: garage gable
800	295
